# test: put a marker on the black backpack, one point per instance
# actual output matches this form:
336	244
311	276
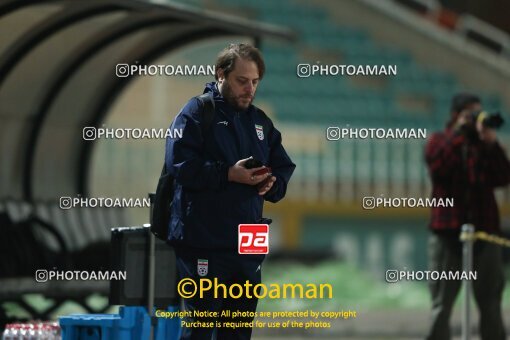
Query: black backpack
161	201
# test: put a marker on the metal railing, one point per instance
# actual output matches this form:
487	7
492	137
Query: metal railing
469	236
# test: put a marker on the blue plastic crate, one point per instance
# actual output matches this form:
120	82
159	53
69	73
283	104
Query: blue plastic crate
132	323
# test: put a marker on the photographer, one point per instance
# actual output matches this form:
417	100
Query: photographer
223	174
466	162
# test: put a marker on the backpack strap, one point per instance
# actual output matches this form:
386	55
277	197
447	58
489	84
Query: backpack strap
207	115
207	112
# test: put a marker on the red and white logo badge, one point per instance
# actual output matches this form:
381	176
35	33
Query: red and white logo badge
260	131
253	239
202	267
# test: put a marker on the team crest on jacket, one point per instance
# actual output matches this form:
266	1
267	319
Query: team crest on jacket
260	131
202	267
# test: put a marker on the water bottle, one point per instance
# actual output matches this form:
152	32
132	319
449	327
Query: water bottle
32	331
23	332
11	332
7	334
38	331
55	331
51	331
45	332
15	331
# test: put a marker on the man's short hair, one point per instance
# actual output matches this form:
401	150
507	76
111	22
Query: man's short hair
462	100
227	58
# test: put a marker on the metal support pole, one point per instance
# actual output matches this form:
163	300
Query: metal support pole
150	278
467	238
151	275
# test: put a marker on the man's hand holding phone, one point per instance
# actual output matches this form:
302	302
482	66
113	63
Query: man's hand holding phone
266	185
268	182
248	171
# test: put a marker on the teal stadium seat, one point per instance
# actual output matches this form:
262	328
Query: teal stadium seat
322	99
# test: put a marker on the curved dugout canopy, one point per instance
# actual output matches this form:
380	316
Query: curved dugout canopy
57	75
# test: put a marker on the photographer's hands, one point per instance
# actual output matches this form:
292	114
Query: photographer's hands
486	134
463	119
465	122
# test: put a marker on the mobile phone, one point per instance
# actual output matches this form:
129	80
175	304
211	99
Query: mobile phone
253	163
262	171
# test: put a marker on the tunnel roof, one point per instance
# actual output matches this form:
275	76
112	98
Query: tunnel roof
57	75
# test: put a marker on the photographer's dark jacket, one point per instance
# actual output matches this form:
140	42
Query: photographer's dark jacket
207	208
468	172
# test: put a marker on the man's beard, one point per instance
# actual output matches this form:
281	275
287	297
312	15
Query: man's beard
232	99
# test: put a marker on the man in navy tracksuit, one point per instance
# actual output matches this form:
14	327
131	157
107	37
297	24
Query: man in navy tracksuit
215	192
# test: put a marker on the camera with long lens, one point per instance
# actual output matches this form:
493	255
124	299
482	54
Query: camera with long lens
489	120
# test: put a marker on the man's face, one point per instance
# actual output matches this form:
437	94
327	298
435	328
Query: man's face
239	87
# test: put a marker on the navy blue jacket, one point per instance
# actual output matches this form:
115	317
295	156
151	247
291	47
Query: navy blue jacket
207	208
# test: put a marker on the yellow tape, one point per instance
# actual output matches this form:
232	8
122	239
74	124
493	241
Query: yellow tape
483	236
481	116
